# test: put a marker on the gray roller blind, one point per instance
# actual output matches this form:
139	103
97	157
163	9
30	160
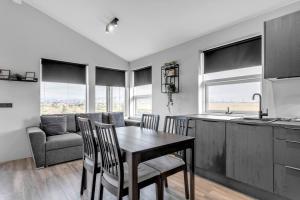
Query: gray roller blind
110	77
246	53
143	76
63	72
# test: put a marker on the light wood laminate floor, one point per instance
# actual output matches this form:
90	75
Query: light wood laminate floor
19	180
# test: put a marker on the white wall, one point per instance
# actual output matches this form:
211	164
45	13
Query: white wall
26	35
277	96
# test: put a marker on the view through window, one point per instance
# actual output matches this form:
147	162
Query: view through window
101	98
110	99
118	99
236	96
61	98
142	99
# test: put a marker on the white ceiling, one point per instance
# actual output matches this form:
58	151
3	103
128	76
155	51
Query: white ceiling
149	26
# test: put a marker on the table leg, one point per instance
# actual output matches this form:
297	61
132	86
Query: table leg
132	161
192	173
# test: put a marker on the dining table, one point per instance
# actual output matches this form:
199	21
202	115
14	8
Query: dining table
141	144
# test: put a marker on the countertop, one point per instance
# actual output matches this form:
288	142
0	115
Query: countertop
276	122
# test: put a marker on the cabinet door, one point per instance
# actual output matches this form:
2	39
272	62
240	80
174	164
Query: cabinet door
287	181
249	152
210	146
282	47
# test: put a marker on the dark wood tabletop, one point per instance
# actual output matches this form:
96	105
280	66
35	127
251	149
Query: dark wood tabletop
142	144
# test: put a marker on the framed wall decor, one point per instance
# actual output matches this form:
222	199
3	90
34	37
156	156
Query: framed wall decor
30	76
4	74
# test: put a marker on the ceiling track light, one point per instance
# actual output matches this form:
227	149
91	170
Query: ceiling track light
110	27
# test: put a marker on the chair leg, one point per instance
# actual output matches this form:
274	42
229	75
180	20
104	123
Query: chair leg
166	182
100	188
159	189
93	185
83	181
186	184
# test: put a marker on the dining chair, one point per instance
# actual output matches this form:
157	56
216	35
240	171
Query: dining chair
114	174
150	121
91	160
172	164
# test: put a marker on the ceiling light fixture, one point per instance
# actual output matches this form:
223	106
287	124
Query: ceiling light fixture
110	27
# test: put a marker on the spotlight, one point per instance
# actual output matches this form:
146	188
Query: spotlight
110	27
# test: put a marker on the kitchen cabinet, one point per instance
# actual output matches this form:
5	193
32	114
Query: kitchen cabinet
282	47
287	162
210	146
249	154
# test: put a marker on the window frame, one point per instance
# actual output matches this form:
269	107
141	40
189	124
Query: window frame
227	81
134	100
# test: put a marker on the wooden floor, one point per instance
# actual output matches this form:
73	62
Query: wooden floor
19	180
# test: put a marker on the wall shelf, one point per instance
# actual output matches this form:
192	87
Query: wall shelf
31	81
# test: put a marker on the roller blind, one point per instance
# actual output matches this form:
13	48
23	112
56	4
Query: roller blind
143	76
110	77
246	53
63	72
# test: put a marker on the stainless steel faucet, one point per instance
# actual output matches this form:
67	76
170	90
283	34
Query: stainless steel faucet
260	112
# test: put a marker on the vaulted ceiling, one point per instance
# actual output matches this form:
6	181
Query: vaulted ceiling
149	26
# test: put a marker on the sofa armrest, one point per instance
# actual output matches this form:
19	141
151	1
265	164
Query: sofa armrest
37	139
131	122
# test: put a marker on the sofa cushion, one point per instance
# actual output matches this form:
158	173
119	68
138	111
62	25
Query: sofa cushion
63	141
54	125
105	117
71	123
91	116
117	119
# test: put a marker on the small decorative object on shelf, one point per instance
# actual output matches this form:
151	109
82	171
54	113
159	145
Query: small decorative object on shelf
30	76
170	81
4	74
16	77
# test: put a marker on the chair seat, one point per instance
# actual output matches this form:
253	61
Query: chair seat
63	141
165	163
144	173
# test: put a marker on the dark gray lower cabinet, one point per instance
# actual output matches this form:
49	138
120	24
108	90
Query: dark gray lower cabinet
287	181
249	152
210	146
287	162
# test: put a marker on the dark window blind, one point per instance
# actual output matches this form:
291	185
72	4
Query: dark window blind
63	72
143	76
110	77
246	53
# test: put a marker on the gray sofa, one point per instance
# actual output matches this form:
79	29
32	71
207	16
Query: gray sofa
50	146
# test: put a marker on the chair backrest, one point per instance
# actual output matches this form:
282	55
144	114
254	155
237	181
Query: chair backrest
177	125
90	149
150	121
112	164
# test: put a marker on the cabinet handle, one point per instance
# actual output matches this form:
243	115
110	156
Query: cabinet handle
205	120
241	123
297	129
292	141
292	168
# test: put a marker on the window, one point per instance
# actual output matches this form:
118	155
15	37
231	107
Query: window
101	98
234	95
142	91
142	99
63	87
59	98
118	99
110	90
232	74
